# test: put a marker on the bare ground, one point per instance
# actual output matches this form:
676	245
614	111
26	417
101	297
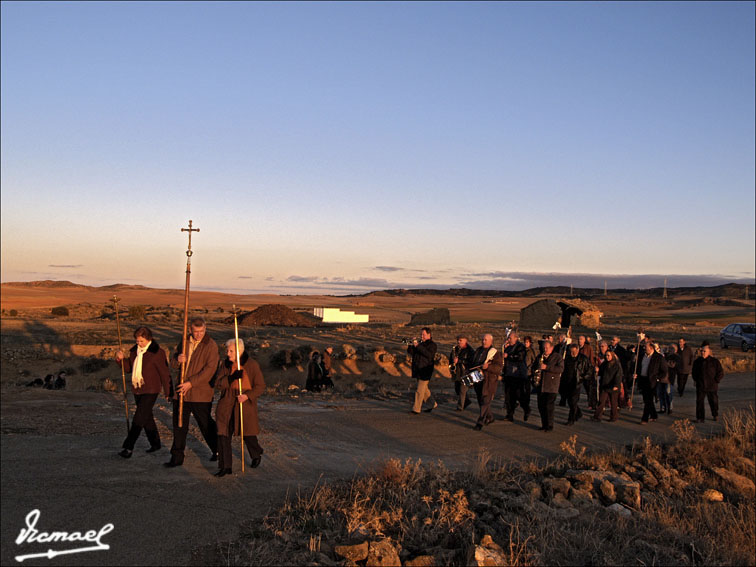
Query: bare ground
59	456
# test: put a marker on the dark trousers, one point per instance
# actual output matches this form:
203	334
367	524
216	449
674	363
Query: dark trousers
573	397
546	409
608	396
516	391
713	403
649	407
143	419
224	449
207	426
590	391
461	390
682	379
486	391
627	381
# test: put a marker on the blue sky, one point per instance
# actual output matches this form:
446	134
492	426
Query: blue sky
351	146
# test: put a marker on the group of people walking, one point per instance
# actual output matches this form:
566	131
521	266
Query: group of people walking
609	375
205	373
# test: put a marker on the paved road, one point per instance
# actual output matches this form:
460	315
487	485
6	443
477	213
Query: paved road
59	456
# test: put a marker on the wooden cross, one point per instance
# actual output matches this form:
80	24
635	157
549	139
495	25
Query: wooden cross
190	230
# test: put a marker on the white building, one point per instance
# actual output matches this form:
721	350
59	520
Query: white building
336	315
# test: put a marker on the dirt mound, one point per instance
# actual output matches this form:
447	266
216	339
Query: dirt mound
275	315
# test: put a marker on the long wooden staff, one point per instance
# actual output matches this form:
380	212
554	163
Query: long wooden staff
238	367
186	316
123	372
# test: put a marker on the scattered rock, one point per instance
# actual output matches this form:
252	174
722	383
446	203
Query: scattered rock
421	561
291	388
737	483
711	495
581	498
382	554
620	509
108	385
607	492
630	494
559	501
360	386
355	553
649	481
553	486
488	553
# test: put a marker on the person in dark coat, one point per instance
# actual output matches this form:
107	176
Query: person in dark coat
551	372
627	377
423	354
515	378
460	360
653	368
490	362
577	369
609	387
197	389
707	374
315	373
589	385
686	365
665	390
148	365
227	411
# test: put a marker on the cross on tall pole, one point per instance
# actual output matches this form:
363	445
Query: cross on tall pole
186	316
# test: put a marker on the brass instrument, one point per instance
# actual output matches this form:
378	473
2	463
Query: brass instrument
455	354
536	381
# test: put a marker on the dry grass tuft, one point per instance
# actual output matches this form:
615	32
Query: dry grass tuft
430	510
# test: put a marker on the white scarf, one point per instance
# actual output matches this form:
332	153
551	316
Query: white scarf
136	376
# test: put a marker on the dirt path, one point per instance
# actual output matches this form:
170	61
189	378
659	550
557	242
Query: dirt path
59	456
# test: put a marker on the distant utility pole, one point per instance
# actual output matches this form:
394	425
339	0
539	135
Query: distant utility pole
665	289
573	295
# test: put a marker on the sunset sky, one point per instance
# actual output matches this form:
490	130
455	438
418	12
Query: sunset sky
346	147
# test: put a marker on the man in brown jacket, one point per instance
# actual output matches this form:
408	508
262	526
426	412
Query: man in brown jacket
201	366
490	362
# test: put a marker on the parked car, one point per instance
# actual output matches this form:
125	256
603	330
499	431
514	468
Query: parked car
738	334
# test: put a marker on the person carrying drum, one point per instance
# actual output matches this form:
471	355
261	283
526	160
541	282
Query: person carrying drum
490	363
460	360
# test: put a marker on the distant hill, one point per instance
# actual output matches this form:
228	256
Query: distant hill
730	290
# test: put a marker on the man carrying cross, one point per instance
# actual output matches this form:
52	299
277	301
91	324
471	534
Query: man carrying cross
201	363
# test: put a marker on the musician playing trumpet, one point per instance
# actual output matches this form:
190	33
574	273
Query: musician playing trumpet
490	362
460	360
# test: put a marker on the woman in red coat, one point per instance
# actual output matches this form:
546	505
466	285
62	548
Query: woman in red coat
148	365
227	410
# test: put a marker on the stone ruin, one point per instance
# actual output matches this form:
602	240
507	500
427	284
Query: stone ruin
436	316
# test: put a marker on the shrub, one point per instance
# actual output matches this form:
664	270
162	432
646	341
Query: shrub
13	312
93	364
137	311
61	311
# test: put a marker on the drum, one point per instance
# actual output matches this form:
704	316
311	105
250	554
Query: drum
472	378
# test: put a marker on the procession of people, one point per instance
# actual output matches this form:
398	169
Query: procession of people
609	376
